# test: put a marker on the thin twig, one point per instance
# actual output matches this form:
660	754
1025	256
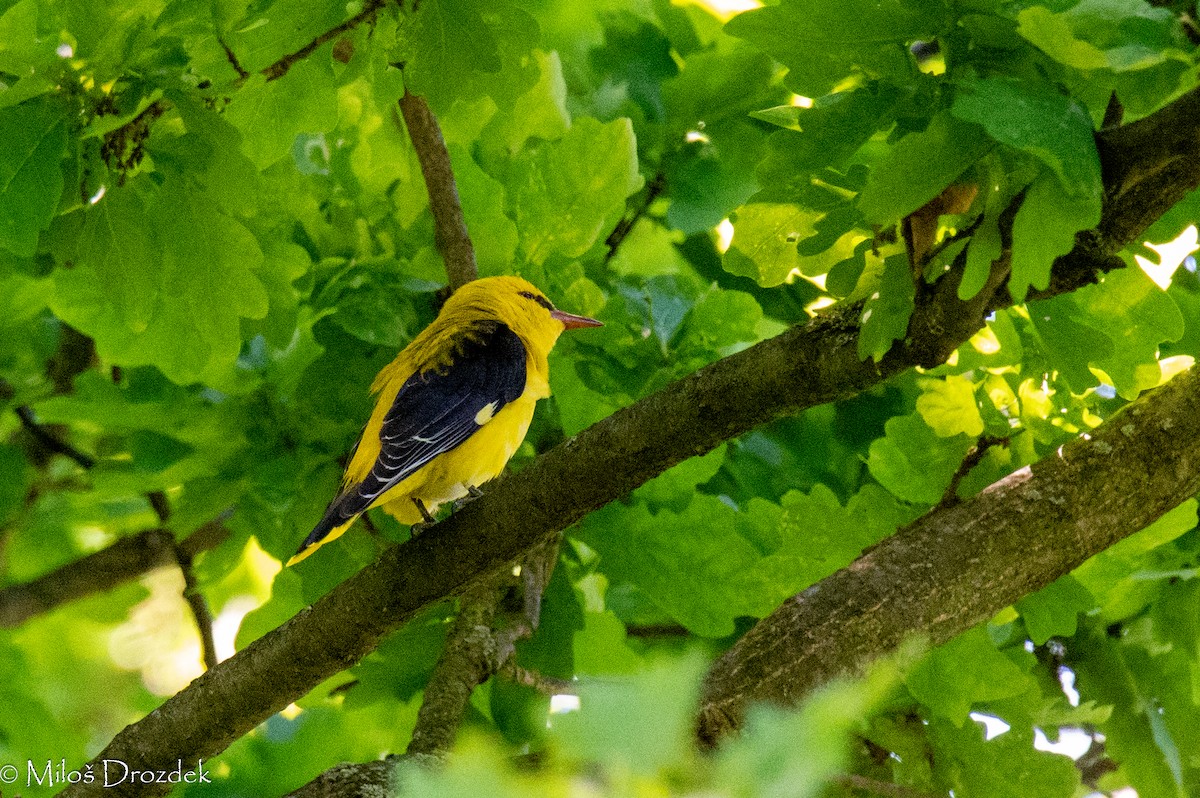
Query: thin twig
974	456
198	605
232	57
450	227
546	685
191	587
624	227
49	440
280	67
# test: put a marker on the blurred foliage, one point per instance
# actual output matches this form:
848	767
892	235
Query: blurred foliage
245	250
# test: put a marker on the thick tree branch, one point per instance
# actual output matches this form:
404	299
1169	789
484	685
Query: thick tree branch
960	564
353	780
124	560
121	562
803	367
450	228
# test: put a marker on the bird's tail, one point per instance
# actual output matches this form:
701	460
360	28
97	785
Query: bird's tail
330	527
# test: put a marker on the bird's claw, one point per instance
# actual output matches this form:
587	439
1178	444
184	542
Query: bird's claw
473	493
427	518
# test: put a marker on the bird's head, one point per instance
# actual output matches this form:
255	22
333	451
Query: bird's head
520	305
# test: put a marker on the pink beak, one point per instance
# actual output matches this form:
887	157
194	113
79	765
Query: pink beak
571	321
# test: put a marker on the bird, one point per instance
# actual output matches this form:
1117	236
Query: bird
452	408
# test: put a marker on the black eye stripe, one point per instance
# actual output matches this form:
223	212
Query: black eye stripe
541	300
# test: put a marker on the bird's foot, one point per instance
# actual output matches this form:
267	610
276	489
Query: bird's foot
473	493
427	518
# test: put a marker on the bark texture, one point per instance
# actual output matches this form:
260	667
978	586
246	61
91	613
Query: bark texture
959	565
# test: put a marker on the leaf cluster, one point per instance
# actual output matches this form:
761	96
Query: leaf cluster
214	231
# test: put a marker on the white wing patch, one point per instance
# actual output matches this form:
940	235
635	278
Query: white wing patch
485	413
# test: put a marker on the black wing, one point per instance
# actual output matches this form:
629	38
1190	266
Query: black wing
433	413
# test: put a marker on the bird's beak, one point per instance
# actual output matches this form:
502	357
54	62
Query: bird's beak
571	321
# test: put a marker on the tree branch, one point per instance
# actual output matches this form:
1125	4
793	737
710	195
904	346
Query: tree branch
353	780
103	570
480	643
50	441
546	685
450	228
198	605
805	366
45	438
961	564
653	189
280	67
124	560
973	458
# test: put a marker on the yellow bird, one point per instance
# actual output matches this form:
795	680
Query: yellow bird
452	407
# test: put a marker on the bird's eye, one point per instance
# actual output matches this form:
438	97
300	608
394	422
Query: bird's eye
541	300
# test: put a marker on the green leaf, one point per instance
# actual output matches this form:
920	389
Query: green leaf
270	114
483	198
22	50
912	462
823	42
567	194
1032	117
1142	317
1069	340
887	310
765	238
119	242
33	138
1104	674
1007	766
1045	228
272	30
541	112
920	166
1115	576
722	319
964	672
828	133
1100	34
1052	33
949	407
1054	610
451	44
985	248
642	723
747	561
208	284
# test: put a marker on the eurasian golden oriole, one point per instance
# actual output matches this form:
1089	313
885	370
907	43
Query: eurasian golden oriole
452	408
